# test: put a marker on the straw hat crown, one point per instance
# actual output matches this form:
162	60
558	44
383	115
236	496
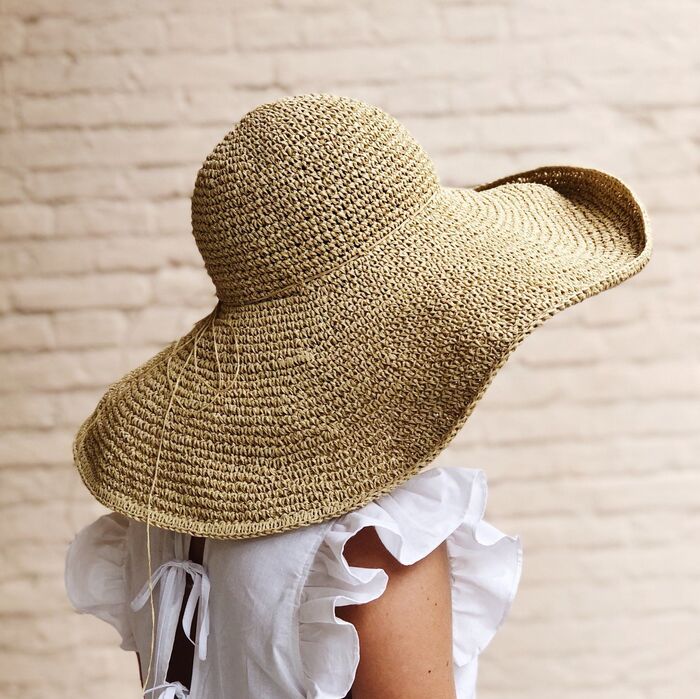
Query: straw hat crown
301	186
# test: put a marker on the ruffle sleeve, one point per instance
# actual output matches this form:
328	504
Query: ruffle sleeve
95	577
436	505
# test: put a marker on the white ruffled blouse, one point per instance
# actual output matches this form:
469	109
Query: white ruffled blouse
266	623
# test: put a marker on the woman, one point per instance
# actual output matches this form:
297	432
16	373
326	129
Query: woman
278	503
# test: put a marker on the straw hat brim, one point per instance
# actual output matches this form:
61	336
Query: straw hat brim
300	408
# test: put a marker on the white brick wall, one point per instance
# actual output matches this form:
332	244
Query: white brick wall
590	433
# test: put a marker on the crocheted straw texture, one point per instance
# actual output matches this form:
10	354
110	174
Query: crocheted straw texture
363	311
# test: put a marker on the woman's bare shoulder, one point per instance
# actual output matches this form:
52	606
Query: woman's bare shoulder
406	634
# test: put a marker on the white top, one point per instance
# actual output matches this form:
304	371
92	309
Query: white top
266	624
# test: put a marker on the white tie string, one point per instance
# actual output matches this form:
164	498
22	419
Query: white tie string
172	576
173	690
198	593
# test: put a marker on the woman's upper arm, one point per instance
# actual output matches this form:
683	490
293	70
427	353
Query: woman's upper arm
406	634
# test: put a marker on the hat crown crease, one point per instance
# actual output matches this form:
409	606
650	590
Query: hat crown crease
299	187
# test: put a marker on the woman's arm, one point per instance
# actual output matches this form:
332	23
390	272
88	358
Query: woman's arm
406	634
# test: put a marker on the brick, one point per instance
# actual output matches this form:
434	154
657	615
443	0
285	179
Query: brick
104	218
11	36
315	5
666	157
608	380
595	601
183	287
60	370
25	221
73	406
11	188
633	88
49	35
613	309
483	95
99	664
159	324
199	32
18	332
472	166
61	74
135	33
63	293
339	66
48	257
599	421
603	496
34	448
84	255
470	23
225	107
682	122
266	29
349	26
110	146
637	343
22	410
534	130
173	217
535	92
578	637
136	356
5	303
673	193
89	328
519	386
8	119
203	70
422	97
31	9
162	183
44	597
57	186
25	556
113	185
561	345
440	134
467	60
100	110
604	565
540	20
619	456
608	54
212	106
66	520
38	484
141	255
391	23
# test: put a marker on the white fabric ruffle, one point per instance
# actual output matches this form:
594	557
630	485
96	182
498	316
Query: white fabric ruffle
95	574
411	521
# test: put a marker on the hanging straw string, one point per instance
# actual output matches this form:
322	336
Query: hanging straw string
208	322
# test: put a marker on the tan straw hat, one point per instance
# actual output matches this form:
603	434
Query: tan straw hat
363	311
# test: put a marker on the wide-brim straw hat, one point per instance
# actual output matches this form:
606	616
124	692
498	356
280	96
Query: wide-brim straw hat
363	310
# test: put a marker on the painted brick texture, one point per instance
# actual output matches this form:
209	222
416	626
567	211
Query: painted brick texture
589	435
